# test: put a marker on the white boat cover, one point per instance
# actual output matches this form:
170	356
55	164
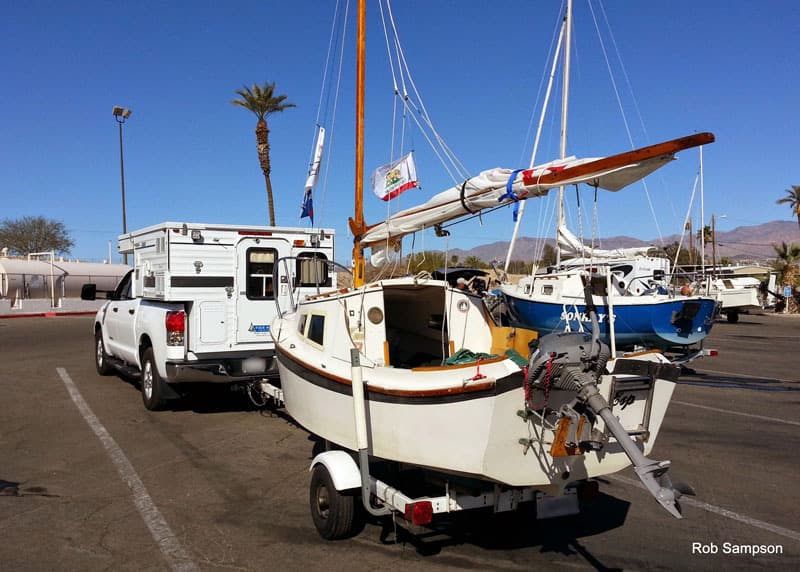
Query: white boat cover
571	246
490	189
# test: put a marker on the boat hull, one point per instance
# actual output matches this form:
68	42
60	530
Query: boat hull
638	321
475	433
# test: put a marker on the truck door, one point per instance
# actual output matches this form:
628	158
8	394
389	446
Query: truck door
255	300
120	321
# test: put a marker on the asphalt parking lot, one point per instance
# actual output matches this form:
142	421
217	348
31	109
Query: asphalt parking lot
90	480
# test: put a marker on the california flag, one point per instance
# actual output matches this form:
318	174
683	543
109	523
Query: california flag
396	177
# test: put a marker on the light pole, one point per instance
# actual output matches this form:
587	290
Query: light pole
121	114
714	241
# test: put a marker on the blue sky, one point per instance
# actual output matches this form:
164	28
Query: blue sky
730	67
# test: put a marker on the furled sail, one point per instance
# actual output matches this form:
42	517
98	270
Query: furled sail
571	246
500	186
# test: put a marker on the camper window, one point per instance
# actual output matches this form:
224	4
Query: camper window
312	270
260	262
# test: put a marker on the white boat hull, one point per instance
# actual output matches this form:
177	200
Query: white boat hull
477	433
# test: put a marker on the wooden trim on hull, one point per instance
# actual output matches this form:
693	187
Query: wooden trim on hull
342	385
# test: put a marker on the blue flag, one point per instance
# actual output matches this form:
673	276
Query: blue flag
308	206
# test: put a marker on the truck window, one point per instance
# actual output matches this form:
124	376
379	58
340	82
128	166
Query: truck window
312	270
260	262
123	289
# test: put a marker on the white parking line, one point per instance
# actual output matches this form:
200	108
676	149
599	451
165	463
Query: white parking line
729	412
173	552
737	374
720	511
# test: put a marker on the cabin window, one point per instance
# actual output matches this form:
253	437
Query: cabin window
260	262
316	329
623	269
547	290
312	270
302	326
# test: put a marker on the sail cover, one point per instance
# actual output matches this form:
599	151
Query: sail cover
571	246
490	189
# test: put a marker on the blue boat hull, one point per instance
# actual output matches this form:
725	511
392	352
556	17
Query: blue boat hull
662	323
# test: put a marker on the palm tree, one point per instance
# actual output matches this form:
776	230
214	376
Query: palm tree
262	101
793	199
705	237
786	259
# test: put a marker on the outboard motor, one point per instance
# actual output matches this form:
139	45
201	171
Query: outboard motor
575	362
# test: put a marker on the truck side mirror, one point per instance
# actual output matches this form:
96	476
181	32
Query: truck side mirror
89	292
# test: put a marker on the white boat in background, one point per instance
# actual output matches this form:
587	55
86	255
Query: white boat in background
735	294
415	372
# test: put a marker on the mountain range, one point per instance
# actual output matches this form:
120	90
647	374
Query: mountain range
742	244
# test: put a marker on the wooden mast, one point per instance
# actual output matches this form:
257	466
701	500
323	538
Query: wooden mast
357	222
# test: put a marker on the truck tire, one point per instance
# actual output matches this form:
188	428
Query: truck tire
333	512
153	387
101	362
733	316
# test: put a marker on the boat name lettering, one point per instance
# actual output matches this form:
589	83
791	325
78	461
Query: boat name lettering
582	316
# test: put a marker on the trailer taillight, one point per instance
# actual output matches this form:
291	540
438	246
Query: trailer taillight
420	512
176	326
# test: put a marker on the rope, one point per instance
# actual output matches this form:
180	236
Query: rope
547	380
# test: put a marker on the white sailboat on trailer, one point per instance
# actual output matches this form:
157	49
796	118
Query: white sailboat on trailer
378	372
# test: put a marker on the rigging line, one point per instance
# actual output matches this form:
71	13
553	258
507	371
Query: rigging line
622	113
388	48
337	91
550	57
407	71
437	151
624	71
331	42
419	114
686	218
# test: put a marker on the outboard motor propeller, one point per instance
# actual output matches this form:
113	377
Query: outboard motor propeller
575	362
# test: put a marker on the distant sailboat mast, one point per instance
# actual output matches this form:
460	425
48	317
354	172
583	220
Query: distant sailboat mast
537	139
564	110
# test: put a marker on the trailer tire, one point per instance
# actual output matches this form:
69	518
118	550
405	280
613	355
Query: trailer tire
334	512
732	315
101	358
153	386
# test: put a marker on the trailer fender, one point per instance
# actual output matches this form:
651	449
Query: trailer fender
342	468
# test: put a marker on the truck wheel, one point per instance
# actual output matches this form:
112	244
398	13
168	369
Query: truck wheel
101	362
153	387
732	315
333	513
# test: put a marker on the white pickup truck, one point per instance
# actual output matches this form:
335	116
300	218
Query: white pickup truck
198	303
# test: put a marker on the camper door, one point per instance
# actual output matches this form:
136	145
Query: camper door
255	302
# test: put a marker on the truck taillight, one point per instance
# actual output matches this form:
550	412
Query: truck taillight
176	326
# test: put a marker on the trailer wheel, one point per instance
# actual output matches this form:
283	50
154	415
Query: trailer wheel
153	387
732	315
101	362
334	513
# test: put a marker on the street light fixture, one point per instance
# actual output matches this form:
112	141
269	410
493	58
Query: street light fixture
121	114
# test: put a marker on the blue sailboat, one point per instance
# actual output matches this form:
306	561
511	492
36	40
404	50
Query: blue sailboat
633	304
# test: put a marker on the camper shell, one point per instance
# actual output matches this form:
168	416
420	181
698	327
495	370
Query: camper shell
200	298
